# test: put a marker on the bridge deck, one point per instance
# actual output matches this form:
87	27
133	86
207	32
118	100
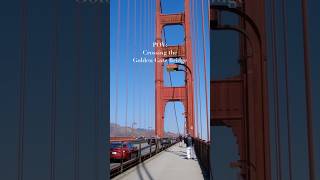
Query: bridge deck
169	164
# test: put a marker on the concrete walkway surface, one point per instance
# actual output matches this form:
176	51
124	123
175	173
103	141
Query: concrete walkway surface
170	164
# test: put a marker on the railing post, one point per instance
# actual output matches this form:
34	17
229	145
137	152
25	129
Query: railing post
208	162
139	151
150	150
202	151
121	161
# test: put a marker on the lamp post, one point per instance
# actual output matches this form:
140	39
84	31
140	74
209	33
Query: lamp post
132	126
175	67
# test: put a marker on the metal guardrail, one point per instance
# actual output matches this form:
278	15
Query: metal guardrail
114	171
202	150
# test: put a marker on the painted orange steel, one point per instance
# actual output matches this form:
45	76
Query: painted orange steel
241	102
164	94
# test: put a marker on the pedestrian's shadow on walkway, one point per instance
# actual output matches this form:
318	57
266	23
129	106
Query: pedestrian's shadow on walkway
146	171
180	153
183	154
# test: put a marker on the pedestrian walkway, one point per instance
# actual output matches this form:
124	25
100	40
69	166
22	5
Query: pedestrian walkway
170	164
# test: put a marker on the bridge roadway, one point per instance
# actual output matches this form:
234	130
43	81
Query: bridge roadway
170	164
143	152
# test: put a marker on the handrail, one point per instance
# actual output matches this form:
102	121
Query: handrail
202	150
123	166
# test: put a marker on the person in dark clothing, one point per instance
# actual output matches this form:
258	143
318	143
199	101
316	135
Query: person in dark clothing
180	140
189	142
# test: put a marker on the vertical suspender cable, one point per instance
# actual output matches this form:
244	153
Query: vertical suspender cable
285	36
145	45
211	166
152	21
133	82
194	70
77	119
194	67
117	59
52	121
205	71
243	55
208	4
148	16
148	24
148	44
198	69
145	21
308	88
95	114
127	74
98	92
105	43
174	105
77	102
197	74
276	91
140	43
140	67
142	27
22	90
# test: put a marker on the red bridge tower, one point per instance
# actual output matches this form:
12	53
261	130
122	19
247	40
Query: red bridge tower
169	94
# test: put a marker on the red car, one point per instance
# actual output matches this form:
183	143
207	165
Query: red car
122	150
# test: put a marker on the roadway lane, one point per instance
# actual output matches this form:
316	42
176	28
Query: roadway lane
169	164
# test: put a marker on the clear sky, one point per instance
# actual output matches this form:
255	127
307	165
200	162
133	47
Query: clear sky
132	31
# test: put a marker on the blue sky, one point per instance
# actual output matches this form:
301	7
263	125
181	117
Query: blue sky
135	33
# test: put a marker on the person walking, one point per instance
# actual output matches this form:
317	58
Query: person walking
180	140
189	143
